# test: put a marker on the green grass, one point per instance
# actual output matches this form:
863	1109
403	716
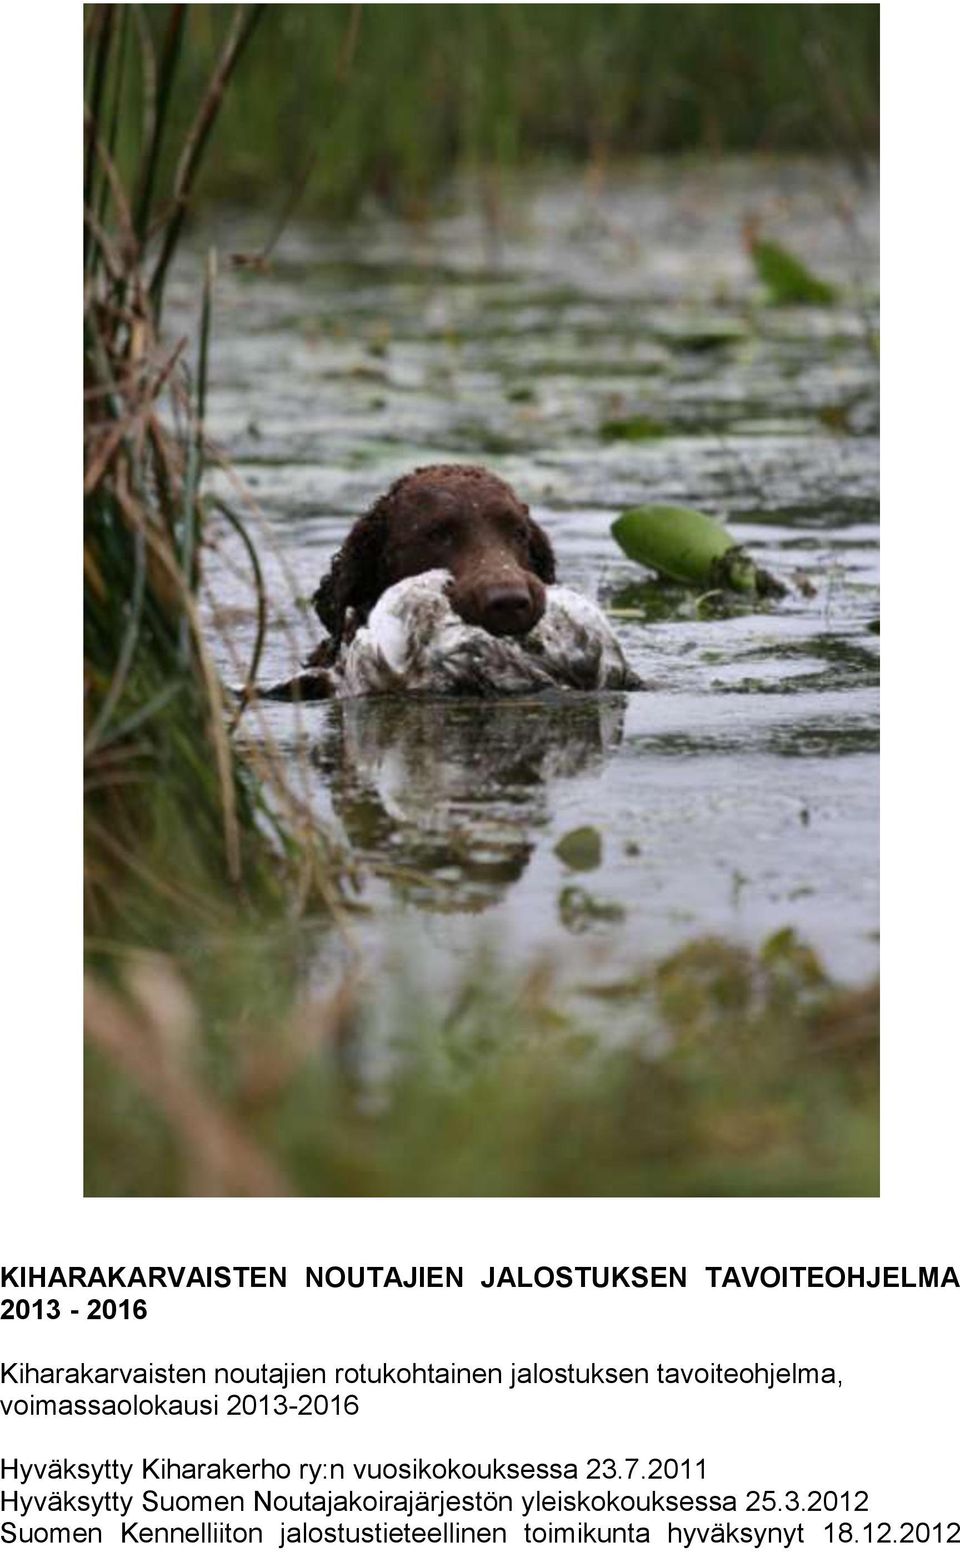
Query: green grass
714	1072
338	103
180	832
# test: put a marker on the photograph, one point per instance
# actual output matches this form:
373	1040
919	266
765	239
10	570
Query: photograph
481	601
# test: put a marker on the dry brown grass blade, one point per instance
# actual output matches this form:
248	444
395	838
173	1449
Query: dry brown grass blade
105	245
92	572
114	182
109	445
148	1037
241	29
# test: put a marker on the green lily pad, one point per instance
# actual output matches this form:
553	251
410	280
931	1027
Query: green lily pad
580	849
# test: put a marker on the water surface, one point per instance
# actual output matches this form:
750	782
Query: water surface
738	795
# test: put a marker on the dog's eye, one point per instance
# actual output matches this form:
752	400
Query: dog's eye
512	526
441	534
517	532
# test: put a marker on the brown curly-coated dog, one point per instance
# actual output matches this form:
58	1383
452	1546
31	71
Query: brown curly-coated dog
458	517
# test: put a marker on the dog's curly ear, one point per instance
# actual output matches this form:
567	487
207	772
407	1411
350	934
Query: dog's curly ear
541	551
355	579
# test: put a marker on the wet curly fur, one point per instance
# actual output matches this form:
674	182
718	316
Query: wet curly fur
362	570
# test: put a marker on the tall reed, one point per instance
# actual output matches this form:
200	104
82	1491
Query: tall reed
170	808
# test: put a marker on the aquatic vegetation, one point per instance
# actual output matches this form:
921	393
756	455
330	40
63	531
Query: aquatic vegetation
787	279
581	850
690	547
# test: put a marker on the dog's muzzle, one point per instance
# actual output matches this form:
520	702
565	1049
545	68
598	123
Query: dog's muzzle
502	606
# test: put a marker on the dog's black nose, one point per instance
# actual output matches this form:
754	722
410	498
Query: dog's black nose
508	609
501	605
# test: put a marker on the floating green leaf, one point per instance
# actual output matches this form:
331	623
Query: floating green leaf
787	279
690	547
581	849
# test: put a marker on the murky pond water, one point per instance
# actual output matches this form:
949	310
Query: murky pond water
739	793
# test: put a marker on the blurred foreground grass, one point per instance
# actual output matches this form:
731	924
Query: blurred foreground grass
731	1073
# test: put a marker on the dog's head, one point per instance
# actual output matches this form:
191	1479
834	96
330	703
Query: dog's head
456	517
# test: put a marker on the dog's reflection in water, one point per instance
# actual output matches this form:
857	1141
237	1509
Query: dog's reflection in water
449	794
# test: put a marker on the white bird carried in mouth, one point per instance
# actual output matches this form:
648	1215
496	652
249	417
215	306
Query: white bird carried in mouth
414	642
